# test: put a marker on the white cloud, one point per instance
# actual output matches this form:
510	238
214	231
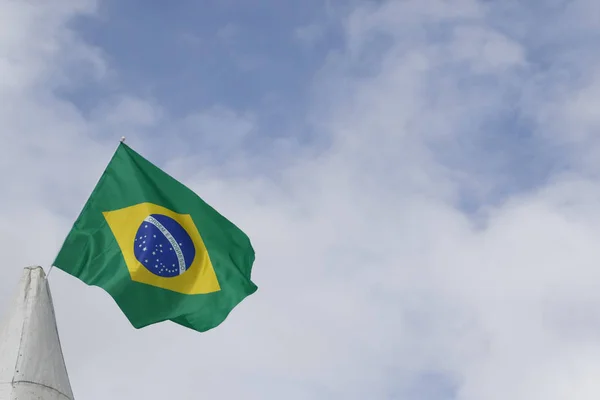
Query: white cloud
369	273
128	111
485	50
35	41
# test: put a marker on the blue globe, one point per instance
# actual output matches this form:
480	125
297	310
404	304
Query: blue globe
163	246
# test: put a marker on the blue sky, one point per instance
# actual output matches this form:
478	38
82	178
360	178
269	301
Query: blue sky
249	57
419	179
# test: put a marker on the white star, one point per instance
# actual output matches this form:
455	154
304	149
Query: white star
145	248
153	253
154	235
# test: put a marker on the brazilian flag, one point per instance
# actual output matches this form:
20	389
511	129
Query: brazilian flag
157	248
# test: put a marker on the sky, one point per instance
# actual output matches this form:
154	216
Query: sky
419	180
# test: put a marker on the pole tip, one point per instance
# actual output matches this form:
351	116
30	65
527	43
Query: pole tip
122	139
